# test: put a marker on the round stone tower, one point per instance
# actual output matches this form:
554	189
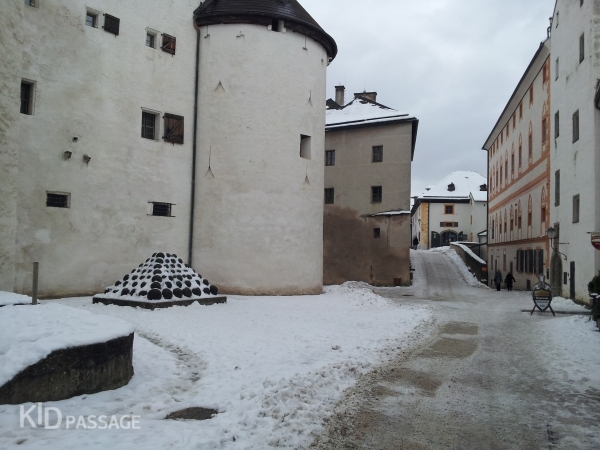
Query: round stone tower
260	147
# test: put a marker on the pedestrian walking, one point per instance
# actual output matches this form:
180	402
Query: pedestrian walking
498	280
509	281
415	243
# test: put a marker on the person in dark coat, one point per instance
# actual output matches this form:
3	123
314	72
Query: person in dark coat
498	280
509	281
415	242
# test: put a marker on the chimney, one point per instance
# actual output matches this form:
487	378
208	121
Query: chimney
372	96
339	95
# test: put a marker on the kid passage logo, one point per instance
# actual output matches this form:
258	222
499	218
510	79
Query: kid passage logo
51	418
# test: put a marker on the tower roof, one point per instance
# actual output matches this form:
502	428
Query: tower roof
262	12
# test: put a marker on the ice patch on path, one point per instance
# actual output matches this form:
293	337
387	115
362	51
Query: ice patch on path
8	298
30	333
460	266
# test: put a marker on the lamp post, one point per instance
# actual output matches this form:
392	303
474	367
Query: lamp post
551	233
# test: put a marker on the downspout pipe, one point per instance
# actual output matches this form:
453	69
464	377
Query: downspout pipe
194	150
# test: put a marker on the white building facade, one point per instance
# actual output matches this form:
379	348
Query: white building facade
97	169
575	147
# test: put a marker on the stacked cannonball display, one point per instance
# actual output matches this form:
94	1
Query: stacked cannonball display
162	277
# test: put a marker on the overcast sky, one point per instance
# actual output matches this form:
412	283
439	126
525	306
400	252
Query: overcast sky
451	63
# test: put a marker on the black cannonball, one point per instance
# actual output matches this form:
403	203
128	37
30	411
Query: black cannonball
157	278
214	290
168	284
141	265
200	276
205	281
171	277
187	292
135	277
143	284
177	293
179	277
157	272
172	266
117	283
197	292
168	255
206	290
188	283
106	291
148	260
199	283
180	260
134	284
154	294
159	260
143	293
160	255
132	292
167	294
126	277
155	285
125	291
179	284
179	266
189	277
125	283
158	266
154	255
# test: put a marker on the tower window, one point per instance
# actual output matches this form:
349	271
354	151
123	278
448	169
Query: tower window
576	208
377	233
305	146
581	48
330	157
149	125
58	200
161	209
277	25
27	89
329	196
376	194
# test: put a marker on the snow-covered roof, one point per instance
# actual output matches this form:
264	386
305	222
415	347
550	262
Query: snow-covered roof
464	184
391	213
361	111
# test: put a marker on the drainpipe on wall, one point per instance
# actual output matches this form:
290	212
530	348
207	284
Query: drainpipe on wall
428	226
194	149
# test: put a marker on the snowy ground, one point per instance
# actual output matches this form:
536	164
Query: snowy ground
273	366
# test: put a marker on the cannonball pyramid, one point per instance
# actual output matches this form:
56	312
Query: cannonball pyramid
162	277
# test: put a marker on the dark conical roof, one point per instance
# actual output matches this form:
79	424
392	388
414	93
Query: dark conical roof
262	12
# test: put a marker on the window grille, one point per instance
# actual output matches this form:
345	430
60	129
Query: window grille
111	24
173	129
150	38
148	125
161	209
329	196
91	20
26	98
168	44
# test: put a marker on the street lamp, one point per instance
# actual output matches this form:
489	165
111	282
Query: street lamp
551	233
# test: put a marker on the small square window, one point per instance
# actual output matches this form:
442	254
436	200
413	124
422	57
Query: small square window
161	209
149	125
169	44
27	90
449	209
150	40
111	24
91	19
377	233
305	144
330	157
378	153
329	196
376	194
58	200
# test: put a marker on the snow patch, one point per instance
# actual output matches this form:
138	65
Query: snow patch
8	298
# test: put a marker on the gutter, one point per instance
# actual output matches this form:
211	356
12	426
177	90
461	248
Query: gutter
194	151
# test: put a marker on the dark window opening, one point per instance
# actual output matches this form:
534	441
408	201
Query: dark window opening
161	209
378	153
275	25
148	125
55	200
557	188
329	196
169	43
576	126
576	200
305	146
26	96
330	157
376	194
556	124
173	129
451	187
111	24
376	233
581	48
91	20
483	188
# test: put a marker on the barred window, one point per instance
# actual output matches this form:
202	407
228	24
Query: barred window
329	196
58	200
162	209
148	125
330	157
